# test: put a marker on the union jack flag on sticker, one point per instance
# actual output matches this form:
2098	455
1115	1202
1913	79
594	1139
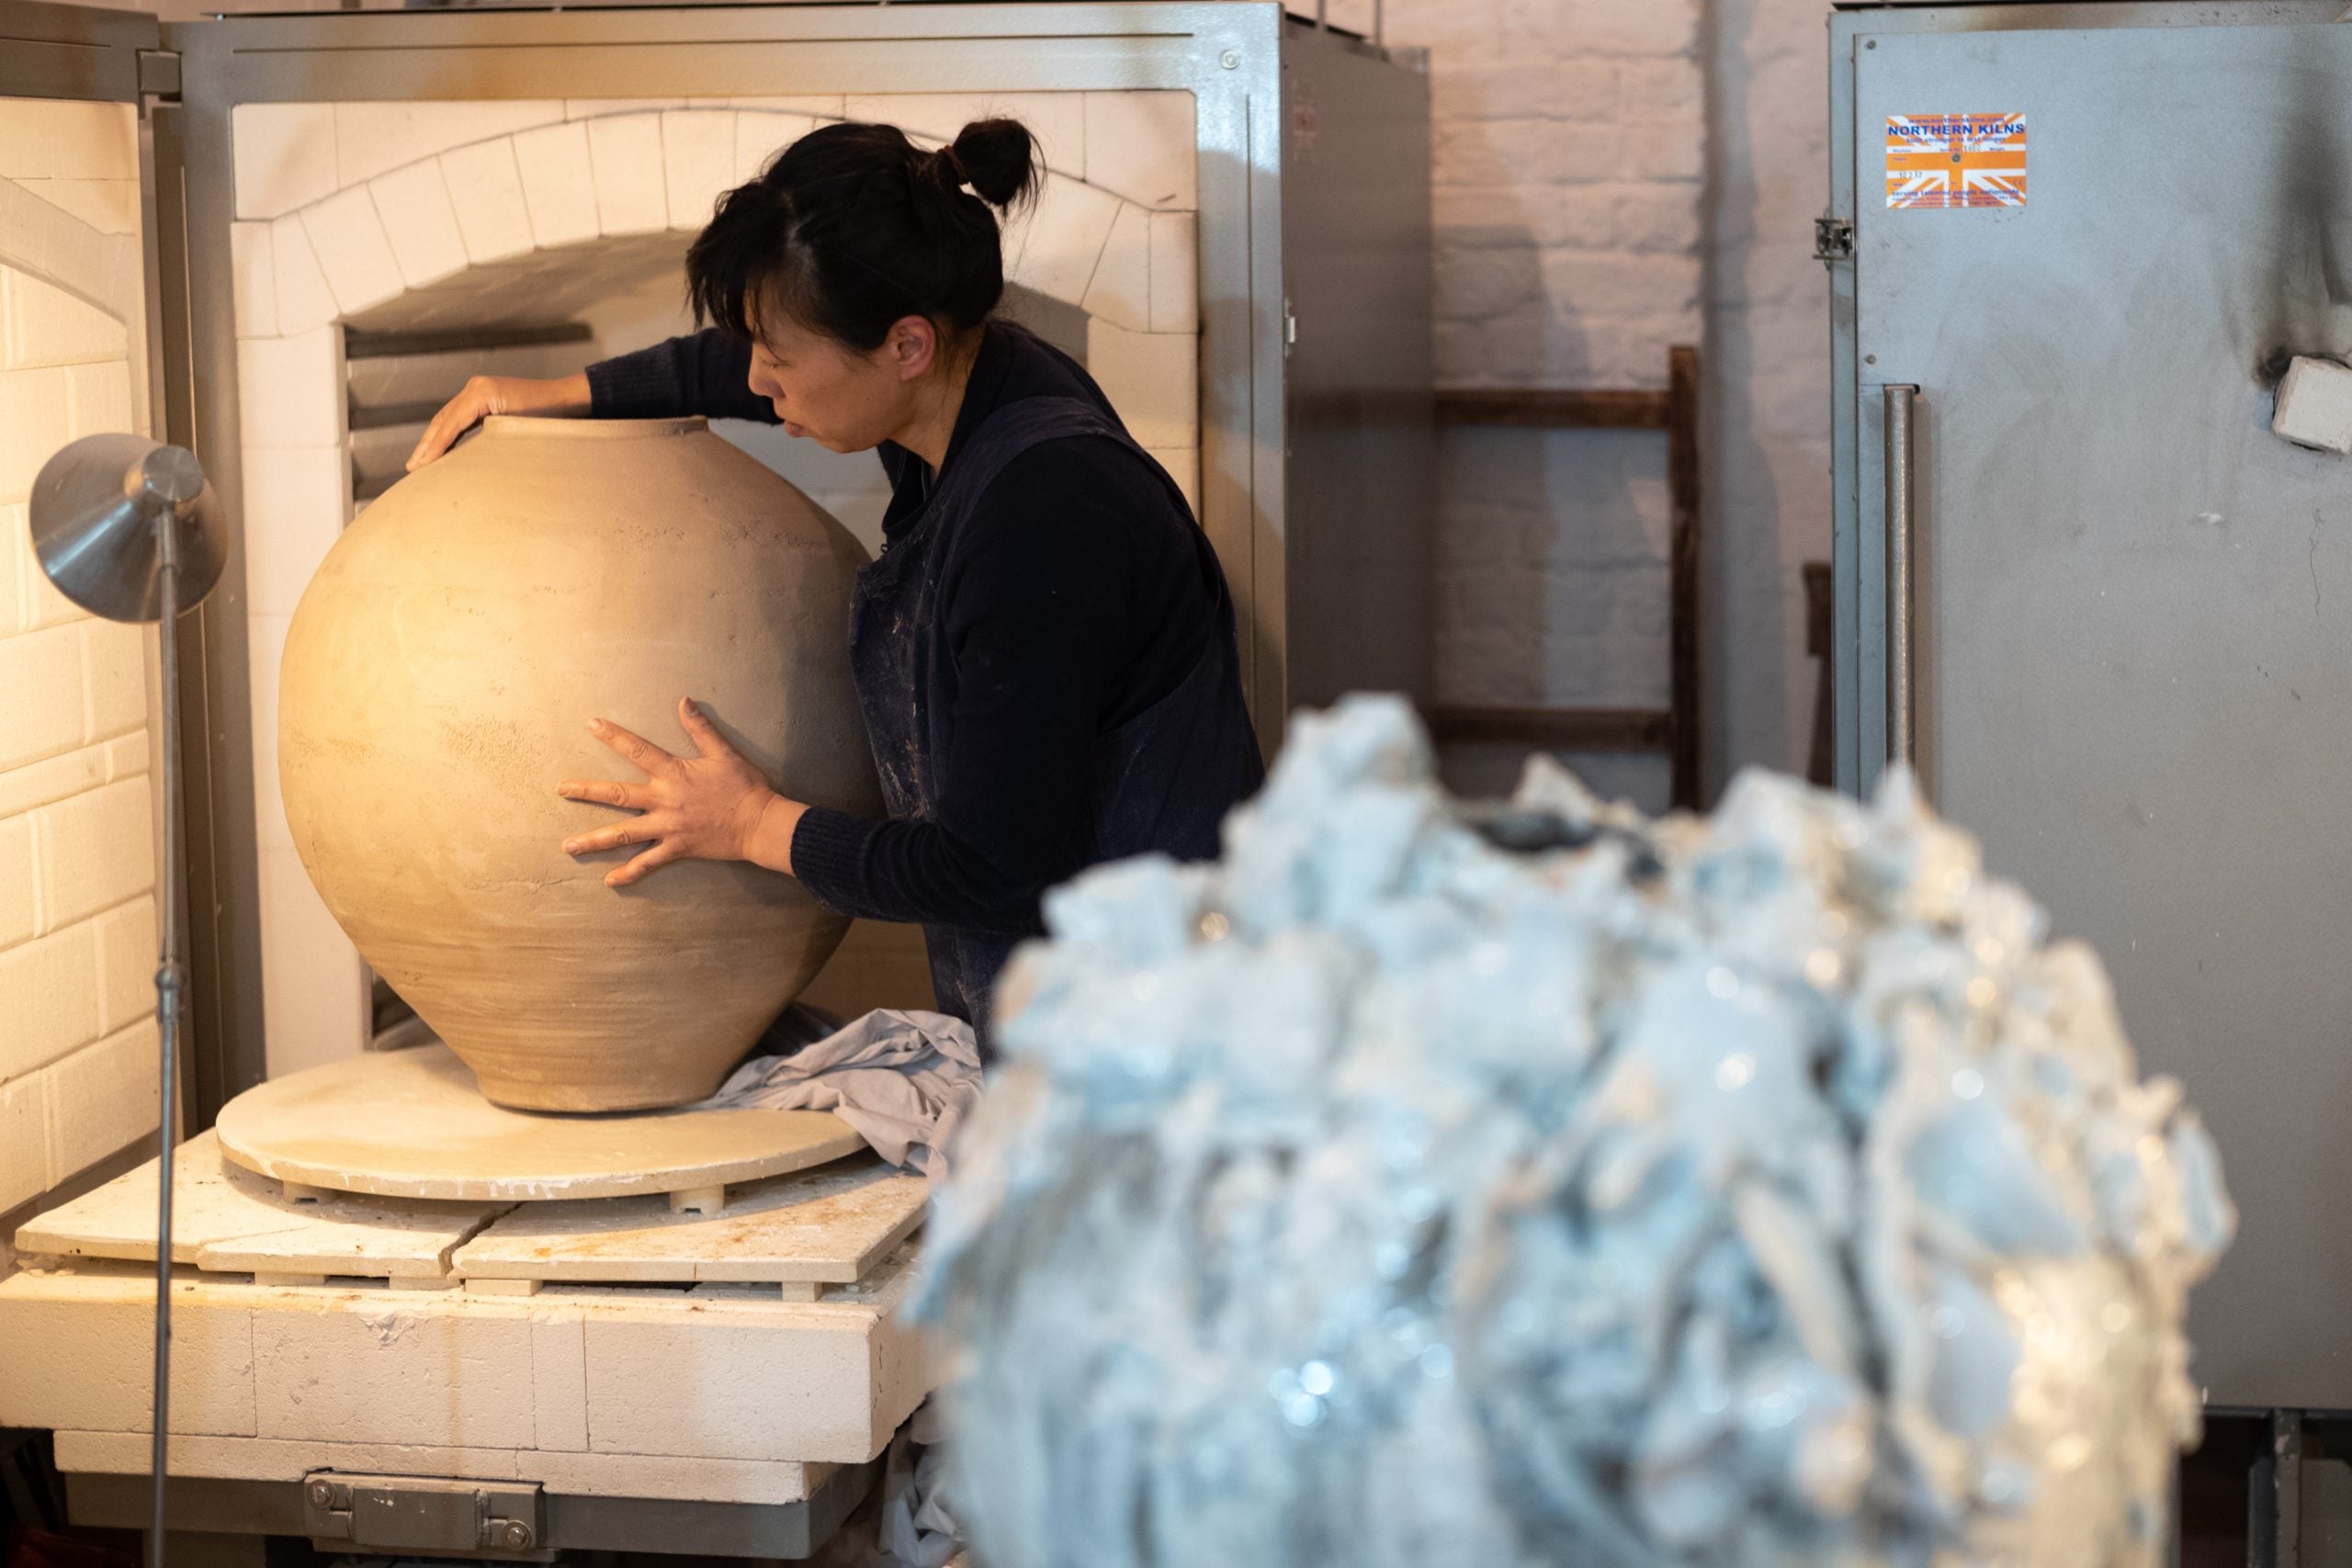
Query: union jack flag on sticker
1955	160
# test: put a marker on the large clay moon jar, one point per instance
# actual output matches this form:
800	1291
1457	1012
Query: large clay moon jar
438	678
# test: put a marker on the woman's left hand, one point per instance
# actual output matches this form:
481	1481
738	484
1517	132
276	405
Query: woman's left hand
707	806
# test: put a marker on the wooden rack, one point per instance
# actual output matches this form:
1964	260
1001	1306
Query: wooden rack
1674	730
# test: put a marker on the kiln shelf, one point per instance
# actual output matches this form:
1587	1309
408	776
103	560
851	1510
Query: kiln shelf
808	1236
412	1124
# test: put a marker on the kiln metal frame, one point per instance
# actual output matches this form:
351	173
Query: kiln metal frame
228	1522
1317	452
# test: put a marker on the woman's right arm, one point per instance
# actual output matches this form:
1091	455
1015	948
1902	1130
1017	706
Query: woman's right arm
704	373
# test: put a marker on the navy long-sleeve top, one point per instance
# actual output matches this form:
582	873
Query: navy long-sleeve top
1089	604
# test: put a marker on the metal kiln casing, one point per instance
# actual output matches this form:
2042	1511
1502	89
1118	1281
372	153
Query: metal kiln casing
1313	257
2127	630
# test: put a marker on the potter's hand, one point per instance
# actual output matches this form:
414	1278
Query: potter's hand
707	806
486	395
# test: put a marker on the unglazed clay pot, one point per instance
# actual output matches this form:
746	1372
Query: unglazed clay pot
438	680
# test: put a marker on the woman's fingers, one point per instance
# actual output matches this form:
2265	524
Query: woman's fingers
458	415
636	830
646	865
698	729
636	748
485	395
688	806
606	792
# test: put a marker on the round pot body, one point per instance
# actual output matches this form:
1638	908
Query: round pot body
439	680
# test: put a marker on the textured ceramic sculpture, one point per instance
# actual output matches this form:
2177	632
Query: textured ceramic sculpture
1423	1185
438	682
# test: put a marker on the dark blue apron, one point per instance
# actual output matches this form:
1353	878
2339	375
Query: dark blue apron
1162	781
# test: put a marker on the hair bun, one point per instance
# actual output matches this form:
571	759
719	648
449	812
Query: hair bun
854	227
999	159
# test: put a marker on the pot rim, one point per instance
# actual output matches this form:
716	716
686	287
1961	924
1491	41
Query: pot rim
590	429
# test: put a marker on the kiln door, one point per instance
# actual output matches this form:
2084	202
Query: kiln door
92	250
2091	250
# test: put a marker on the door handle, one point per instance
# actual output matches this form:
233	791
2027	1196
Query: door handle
1901	732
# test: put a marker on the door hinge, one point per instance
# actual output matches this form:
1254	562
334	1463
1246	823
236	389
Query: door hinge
1833	239
159	74
1290	329
414	1513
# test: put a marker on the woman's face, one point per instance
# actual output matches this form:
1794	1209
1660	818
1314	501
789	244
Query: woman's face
840	398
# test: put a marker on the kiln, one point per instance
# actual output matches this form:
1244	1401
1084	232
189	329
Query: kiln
334	217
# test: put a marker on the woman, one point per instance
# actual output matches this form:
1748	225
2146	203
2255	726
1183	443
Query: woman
1045	652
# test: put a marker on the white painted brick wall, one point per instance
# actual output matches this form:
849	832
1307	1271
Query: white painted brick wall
1568	159
1610	179
77	853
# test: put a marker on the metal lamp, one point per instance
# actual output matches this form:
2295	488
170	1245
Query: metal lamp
128	529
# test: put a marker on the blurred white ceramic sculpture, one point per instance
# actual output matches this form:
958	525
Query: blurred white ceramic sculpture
1558	1187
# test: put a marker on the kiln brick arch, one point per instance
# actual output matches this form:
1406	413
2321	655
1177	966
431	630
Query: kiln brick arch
520	202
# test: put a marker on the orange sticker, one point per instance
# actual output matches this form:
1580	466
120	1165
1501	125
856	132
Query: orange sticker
1955	160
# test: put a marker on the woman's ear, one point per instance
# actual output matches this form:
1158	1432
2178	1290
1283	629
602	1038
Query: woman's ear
912	347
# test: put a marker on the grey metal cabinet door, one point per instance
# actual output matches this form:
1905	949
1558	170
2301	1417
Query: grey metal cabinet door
2134	605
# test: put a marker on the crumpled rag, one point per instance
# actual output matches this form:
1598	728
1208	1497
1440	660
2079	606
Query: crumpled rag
903	1079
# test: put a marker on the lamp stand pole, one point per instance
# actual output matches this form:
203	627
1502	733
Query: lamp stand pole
128	529
170	983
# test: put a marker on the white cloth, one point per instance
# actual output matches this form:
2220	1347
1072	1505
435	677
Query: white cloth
916	1529
903	1079
904	1522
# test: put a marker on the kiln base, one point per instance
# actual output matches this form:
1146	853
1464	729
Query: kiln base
406	1322
222	1523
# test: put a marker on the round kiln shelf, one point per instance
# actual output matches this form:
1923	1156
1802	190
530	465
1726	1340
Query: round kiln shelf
411	1124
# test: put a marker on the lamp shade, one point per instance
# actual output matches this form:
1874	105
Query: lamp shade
94	508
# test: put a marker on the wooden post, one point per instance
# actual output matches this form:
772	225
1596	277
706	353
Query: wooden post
1682	482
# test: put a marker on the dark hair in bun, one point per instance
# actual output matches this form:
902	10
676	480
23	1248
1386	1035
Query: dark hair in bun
854	227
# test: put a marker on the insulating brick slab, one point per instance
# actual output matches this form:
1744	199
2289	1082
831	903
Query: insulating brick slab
719	1373
76	1351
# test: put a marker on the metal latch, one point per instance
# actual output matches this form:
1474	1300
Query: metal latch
159	74
413	1513
1833	239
